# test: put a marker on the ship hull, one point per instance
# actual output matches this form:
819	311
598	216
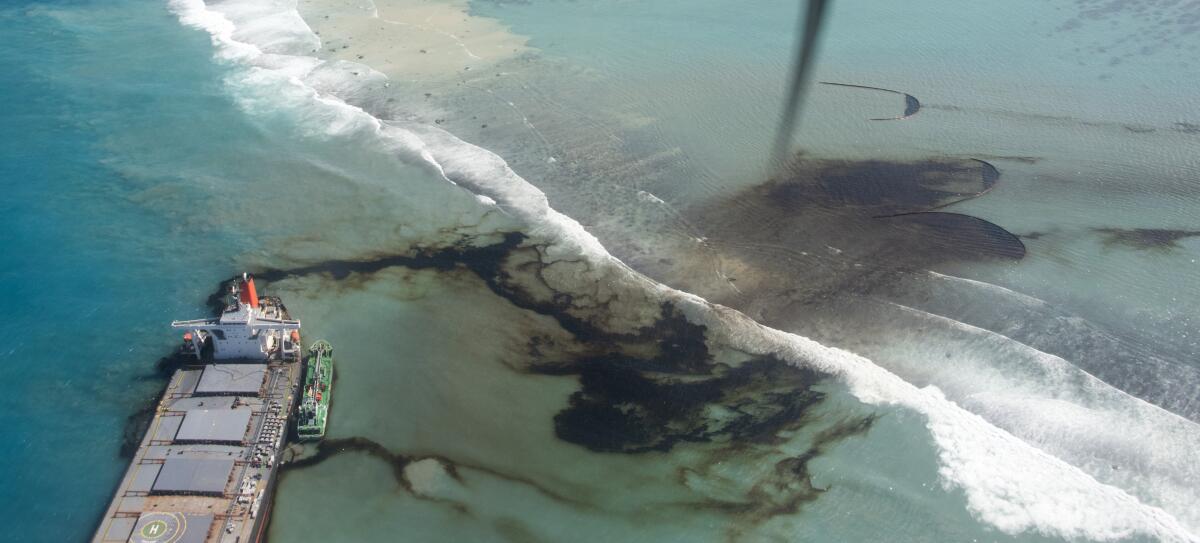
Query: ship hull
314	405
207	467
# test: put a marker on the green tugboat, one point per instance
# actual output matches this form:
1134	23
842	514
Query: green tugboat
318	383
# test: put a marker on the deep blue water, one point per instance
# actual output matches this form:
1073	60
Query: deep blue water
100	247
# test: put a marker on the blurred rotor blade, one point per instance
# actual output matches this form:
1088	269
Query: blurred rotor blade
806	43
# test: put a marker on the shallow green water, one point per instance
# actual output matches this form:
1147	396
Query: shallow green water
471	452
651	129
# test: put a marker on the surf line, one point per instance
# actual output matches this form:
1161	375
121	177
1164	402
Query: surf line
911	104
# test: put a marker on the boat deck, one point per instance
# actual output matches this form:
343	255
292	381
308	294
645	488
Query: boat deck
205	470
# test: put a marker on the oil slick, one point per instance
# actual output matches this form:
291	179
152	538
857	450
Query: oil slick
827	227
1146	239
657	393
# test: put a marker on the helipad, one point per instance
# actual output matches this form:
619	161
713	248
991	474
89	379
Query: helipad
159	527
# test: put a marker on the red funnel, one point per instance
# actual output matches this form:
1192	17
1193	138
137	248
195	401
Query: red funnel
248	295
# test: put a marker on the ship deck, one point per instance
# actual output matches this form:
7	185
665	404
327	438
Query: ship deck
206	468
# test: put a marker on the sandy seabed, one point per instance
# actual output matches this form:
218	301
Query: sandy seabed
410	40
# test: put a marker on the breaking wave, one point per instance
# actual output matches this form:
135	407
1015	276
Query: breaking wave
1008	483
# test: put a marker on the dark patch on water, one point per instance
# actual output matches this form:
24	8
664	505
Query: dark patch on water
514	530
1058	120
1133	28
488	262
329	448
648	390
829	228
1146	238
1067	120
1187	128
136	425
342	270
138	422
399	462
791	485
1012	158
628	403
955	233
1139	129
673	393
850	191
881	187
631	405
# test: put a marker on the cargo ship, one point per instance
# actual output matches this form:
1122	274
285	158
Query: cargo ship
313	411
206	469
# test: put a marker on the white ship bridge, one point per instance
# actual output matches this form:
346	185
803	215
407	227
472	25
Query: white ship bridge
247	329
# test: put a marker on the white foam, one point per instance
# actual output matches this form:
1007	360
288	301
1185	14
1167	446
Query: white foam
1025	298
1007	482
273	27
1047	401
648	197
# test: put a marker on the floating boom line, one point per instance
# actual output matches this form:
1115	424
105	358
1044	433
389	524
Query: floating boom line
911	104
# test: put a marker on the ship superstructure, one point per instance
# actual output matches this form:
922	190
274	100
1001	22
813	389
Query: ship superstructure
206	469
247	329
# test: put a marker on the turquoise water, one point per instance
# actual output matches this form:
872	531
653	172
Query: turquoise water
90	272
998	400
121	212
